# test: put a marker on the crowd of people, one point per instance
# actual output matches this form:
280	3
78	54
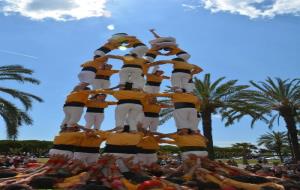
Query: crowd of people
129	158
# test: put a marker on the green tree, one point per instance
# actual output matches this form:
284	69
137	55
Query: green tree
218	97
246	150
278	98
12	115
274	142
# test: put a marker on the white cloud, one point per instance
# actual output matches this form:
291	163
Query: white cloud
61	10
110	27
250	8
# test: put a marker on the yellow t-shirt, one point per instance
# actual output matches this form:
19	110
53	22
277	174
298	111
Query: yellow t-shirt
129	94
78	96
153	108
188	140
68	138
183	65
92	64
148	143
106	72
124	138
154	78
183	97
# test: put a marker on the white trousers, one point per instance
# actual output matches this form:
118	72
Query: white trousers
132	75
139	50
72	115
86	76
151	89
190	87
87	158
151	123
100	84
123	156
147	159
99	53
180	79
67	153
93	119
128	112
185	118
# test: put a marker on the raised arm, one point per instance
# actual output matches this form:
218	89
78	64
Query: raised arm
165	105
112	103
166	77
104	91
154	33
162	62
115	57
161	95
196	70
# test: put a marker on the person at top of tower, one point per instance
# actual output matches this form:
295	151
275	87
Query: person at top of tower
181	73
161	41
132	70
153	81
113	43
95	110
185	113
102	79
74	104
89	70
129	106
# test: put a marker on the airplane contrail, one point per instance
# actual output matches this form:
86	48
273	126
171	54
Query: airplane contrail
18	54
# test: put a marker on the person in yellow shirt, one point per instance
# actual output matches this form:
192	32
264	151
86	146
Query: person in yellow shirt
153	81
148	147
94	115
132	70
102	79
88	151
65	142
181	73
129	106
89	70
113	43
189	142
122	144
185	114
151	110
74	104
139	48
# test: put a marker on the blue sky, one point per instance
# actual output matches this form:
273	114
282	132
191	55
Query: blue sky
232	42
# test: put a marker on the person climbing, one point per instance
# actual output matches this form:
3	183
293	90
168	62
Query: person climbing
74	104
95	110
181	73
102	78
132	70
185	113
154	81
89	70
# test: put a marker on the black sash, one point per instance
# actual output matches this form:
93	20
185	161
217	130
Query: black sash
152	83
151	114
181	71
102	77
95	110
74	104
89	69
86	149
126	149
132	65
179	105
63	147
193	148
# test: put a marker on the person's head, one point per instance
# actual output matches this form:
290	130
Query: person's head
126	129
99	97
159	72
107	66
152	100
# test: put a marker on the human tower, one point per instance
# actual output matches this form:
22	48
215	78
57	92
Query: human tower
137	108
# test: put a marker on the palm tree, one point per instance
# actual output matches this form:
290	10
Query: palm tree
11	114
217	97
246	149
274	141
278	98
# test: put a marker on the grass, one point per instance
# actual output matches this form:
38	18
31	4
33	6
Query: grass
42	160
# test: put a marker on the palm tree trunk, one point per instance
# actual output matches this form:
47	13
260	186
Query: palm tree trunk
291	127
207	132
290	144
